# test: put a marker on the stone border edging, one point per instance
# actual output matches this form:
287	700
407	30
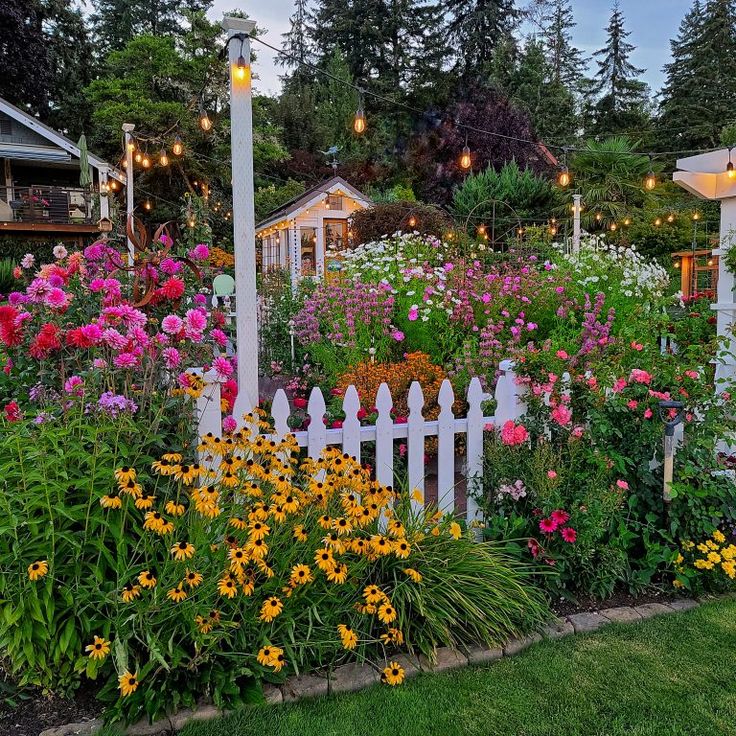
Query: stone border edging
355	676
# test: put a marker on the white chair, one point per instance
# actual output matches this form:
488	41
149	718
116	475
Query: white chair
223	290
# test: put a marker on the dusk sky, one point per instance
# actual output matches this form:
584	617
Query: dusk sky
652	23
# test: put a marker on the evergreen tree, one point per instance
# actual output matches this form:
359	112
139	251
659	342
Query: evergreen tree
699	94
298	46
476	28
622	102
565	60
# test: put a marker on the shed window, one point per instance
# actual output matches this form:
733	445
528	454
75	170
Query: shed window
5	126
334	202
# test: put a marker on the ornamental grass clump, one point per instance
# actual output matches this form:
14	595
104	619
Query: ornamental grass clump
249	564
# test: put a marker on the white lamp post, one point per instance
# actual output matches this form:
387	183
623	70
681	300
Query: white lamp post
128	129
576	223
244	231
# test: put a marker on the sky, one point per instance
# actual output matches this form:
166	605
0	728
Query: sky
652	24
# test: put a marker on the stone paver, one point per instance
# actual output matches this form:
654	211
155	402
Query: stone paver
621	615
482	655
514	646
205	712
447	659
682	604
586	621
83	728
557	629
304	686
272	694
647	610
353	676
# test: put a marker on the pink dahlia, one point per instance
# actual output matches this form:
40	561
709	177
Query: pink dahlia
569	534
548	526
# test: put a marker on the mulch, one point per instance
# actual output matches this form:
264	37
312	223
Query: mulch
35	711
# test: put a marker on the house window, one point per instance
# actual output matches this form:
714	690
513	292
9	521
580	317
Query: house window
5	126
308	237
334	202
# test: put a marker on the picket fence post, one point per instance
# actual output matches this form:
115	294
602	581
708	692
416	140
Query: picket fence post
509	402
446	449
415	445
207	406
474	450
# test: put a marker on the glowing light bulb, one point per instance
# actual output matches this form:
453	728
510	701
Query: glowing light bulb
677	264
138	157
564	178
241	68
696	215
204	121
650	181
465	159
613	227
730	170
163	159
481	229
359	122
146	162
147	205
178	148
627	221
412	221
670	218
658	222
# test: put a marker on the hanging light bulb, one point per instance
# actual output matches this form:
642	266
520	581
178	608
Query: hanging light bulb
412	221
613	227
131	145
670	217
677	264
204	121
710	261
163	159
729	167
650	180
145	161
563	177
138	157
124	164
553	230
241	68
147	205
658	222
481	229
466	160
359	122
104	188
178	148
627	221
598	216
520	231
696	215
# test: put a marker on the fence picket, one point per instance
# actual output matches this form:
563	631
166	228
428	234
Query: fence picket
415	443
351	423
316	432
446	449
509	405
280	411
474	449
384	437
209	413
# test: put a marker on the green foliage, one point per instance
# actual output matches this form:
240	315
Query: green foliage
7	280
386	218
270	197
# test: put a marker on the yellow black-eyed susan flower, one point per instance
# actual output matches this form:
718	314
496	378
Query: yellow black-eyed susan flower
183	551
174	508
204	624
177	594
238	522
271	608
258	530
130	592
338	574
193	578
324	560
37	570
227	587
278	660
132	488
111	501
413	575
299	534
300	575
392	636
124	474
257	548
145	502
373	594
402	548
264	655
147	579
348	637
98	649
127	683
393	674
238	557
386	613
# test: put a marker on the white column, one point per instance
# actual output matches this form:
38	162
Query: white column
319	250
725	308
128	128
244	225
104	182
576	223
295	264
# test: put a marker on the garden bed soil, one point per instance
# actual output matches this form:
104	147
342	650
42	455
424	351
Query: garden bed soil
38	712
35	712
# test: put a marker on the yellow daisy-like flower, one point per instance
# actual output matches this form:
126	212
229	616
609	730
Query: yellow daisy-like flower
175	509
714	557
182	551
227	587
402	548
710	544
238	557
729	568
130	592
127	683
98	649
342	526
266	654
188	473
271	608
145	502
718	536
413	574
455	530
373	594
124	474
257	549
703	548
155	522
393	674
325	521
392	636
338	574
203	624
324	560
348	637
238	522
36	570
111	502
147	579
258	530
299	534
177	594
131	488
703	564
300	575
386	613
278	660
417	496
193	578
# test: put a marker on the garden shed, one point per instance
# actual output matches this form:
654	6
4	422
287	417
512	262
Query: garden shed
307	235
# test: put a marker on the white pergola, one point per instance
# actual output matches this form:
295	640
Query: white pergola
705	176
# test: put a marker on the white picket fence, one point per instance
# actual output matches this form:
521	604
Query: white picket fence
414	432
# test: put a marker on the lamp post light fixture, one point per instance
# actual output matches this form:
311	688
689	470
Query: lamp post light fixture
671	414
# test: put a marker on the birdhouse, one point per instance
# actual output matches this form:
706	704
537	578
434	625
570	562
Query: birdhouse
104	225
698	272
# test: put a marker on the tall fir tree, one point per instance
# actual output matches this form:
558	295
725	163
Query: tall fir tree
622	97
298	45
476	28
565	60
699	94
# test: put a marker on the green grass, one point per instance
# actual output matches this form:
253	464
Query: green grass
669	676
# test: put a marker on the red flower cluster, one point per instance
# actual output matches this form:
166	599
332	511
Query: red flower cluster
10	330
46	341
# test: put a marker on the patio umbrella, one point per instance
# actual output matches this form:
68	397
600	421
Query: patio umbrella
85	180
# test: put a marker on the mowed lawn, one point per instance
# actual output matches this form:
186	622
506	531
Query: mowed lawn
671	675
